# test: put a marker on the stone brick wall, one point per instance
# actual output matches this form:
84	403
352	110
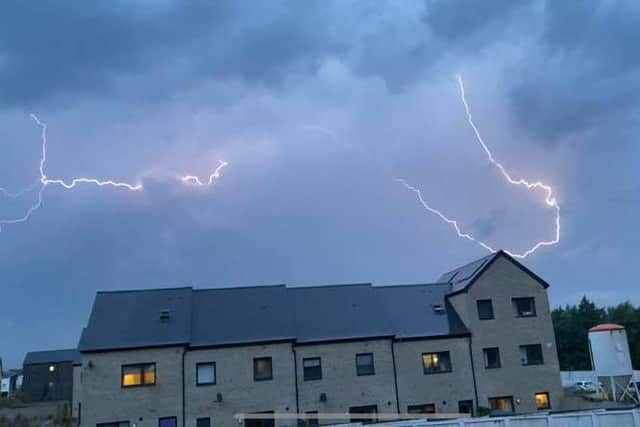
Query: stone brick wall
340	382
235	382
103	399
501	282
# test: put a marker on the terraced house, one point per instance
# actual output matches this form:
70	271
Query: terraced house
480	336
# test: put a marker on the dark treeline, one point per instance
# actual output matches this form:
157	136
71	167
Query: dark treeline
572	323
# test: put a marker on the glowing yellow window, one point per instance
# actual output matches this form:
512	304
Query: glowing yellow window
542	401
138	375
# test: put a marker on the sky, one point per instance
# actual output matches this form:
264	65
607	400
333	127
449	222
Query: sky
316	106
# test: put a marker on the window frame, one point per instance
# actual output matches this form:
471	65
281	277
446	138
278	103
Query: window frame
510	398
411	409
141	367
202	419
255	362
546	408
161	419
484	354
359	372
469	402
215	373
493	313
516	310
360	415
312	378
541	362
439	354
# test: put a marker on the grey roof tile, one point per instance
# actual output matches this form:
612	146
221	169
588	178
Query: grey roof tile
241	315
52	356
131	319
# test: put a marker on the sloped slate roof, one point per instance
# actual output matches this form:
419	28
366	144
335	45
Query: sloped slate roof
130	319
463	277
228	316
241	315
410	309
215	317
338	312
52	356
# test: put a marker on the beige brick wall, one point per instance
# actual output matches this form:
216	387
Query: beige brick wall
444	390
104	400
343	387
234	381
501	282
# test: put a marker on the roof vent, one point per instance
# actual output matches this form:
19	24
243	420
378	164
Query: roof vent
437	308
165	315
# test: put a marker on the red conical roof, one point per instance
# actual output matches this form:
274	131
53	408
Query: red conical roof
606	327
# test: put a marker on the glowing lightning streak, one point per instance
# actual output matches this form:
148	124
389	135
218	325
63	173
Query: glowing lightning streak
550	199
192	179
45	181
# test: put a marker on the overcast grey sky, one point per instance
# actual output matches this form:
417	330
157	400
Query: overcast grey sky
317	106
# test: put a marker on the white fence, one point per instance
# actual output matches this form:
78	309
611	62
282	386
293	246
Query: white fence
626	418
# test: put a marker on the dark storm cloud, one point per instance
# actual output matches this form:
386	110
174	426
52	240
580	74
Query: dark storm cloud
584	74
453	20
69	48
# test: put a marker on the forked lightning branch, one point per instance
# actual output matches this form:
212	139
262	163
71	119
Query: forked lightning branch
46	181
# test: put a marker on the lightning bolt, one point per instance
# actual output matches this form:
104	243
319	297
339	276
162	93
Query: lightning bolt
45	181
550	200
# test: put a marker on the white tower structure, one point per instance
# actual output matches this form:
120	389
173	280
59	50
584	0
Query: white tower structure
611	361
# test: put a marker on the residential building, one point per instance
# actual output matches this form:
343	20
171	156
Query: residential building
10	382
48	375
480	336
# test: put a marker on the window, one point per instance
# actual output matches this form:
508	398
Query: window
433	363
203	422
363	414
311	418
502	404
206	373
542	401
262	369
485	309
138	375
168	422
465	407
364	364
524	307
425	408
312	369
491	358
531	355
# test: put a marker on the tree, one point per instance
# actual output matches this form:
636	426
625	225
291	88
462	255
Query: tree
572	323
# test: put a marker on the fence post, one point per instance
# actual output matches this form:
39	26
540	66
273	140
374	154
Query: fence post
594	420
636	418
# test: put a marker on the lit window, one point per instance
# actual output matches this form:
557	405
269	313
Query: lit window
364	364
433	363
531	354
501	404
52	368
138	375
485	309
524	307
312	369
262	369
491	358
206	373
542	401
